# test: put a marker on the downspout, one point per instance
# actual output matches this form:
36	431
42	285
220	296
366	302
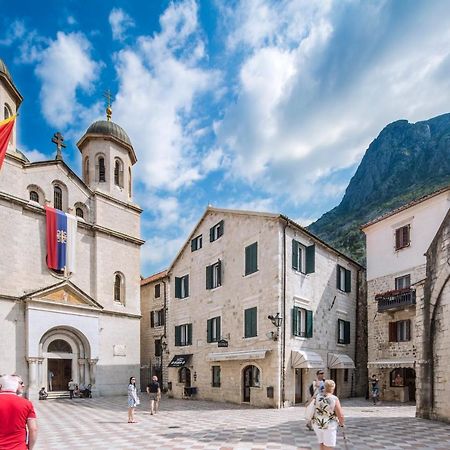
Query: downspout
164	335
358	274
283	336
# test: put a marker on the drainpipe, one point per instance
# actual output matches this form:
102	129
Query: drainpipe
164	335
283	336
357	334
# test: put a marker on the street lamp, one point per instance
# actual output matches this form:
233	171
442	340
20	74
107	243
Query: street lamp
276	320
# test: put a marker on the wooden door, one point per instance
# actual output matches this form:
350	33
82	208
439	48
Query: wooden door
247	382
62	373
298	386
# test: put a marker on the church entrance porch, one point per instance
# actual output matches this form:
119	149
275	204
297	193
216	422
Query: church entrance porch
59	374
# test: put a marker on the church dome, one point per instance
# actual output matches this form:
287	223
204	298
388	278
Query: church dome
108	128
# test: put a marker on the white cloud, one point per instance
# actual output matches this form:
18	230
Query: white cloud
160	80
120	22
35	155
66	68
158	251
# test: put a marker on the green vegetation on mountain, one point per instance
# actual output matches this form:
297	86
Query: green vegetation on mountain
406	161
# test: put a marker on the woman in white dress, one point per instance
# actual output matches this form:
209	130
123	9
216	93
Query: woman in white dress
328	415
133	399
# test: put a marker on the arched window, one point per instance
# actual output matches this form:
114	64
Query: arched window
129	181
57	198
59	346
101	170
7	111
86	170
34	196
119	288
118	173
79	213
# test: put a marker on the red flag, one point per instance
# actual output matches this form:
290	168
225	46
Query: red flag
6	128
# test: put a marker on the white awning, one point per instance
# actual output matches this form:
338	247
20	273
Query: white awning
239	355
305	359
393	363
340	361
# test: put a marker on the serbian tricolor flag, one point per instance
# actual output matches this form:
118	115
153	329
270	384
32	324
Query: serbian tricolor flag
61	235
6	128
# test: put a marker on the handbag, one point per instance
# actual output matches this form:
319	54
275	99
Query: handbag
310	410
137	402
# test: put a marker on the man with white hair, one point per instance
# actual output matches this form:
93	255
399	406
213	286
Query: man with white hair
16	416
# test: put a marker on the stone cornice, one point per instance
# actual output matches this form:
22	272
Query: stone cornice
120	202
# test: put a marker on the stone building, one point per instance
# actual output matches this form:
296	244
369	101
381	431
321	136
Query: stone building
258	305
154	305
57	325
396	263
433	332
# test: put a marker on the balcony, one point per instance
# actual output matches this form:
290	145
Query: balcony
398	299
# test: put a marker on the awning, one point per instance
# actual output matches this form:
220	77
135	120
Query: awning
239	355
305	359
394	363
340	361
180	360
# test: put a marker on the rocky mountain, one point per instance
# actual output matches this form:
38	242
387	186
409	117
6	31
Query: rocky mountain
405	162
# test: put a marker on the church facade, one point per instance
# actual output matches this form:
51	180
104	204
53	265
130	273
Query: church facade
58	325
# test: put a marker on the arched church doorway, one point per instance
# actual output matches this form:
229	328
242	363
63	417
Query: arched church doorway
251	378
59	364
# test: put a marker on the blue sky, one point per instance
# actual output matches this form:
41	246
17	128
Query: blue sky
252	104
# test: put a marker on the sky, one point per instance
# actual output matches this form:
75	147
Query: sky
254	104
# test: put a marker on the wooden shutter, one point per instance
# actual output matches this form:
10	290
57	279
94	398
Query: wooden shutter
208	330
193	246
247	260
247	323
220	230
338	276
405	236
311	259
251	326
152	319
219	273
398	238
295	255
209	277
295	320
346	332
254	322
186	285
255	257
348	280
177	336
392	331
189	334
309	324
211	234
177	287
162	317
218	329
408	330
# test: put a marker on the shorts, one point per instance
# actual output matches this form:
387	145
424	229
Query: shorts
153	396
326	436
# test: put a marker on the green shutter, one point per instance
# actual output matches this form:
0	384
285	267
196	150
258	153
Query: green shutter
177	336
338	276
152	319
310	259
295	255
211	234
309	324
247	323
295	320
219	273
255	322
208	277
255	257
348	281
346	332
186	285
220	230
251	258
247	260
218	328
193	245
208	330
177	287
251	326
189	339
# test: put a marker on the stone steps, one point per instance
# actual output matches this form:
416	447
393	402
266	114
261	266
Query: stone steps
55	395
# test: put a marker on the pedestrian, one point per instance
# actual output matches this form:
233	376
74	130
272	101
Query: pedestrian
154	394
17	416
375	389
51	375
328	415
43	394
133	399
317	386
72	386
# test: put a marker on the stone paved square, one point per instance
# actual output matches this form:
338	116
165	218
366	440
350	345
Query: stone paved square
101	423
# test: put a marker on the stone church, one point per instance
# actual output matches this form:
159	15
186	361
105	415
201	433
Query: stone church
83	324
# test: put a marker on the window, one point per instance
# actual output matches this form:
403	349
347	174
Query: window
158	347
101	170
302	322
183	335
216	231
250	326
251	259
213	330
343	332
215	371
214	275
184	376
303	257
196	243
400	331
86	170
79	213
403	282
34	196
402	237
59	346
119	288
157	318
345	375
130	183
7	112
157	290
118	173
343	279
57	198
399	377
182	287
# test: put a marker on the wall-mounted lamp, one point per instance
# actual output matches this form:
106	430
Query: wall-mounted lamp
164	345
276	320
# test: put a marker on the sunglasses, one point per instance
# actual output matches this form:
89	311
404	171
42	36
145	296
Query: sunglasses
21	383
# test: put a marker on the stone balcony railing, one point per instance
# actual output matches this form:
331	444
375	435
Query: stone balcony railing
398	299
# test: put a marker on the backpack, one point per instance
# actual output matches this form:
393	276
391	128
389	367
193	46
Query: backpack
311	389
